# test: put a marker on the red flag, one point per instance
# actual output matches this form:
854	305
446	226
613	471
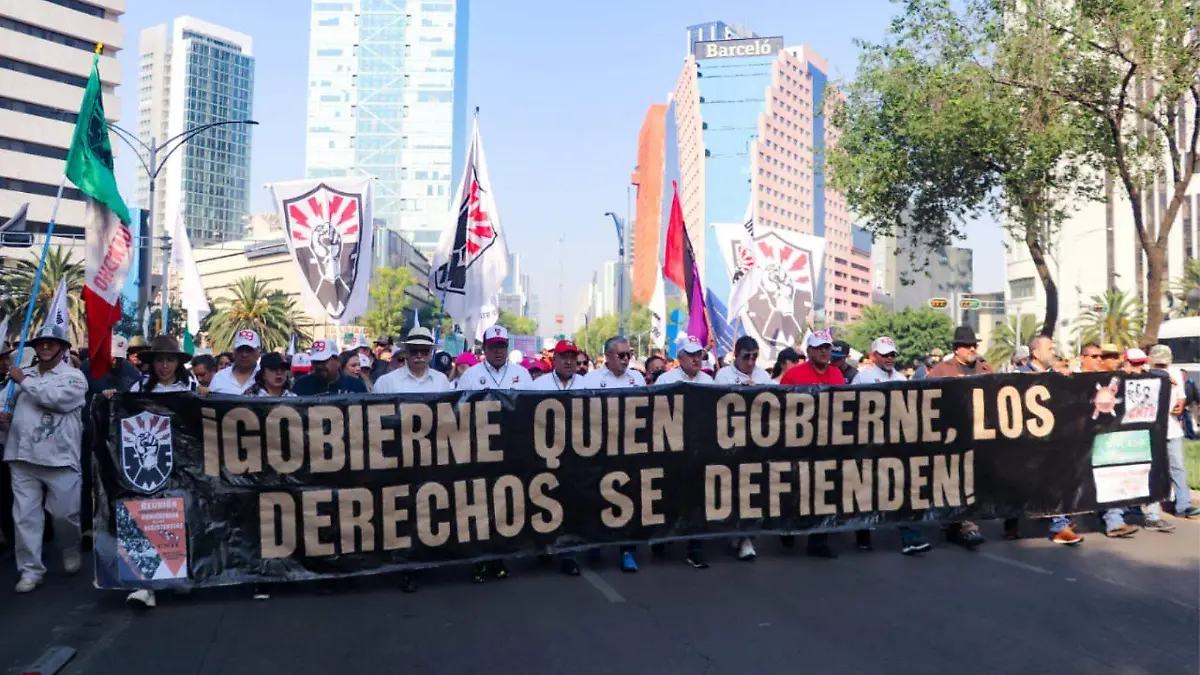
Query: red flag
673	264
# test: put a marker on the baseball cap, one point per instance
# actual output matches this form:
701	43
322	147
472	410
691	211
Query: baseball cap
688	344
419	335
272	361
466	359
1160	355
1135	355
495	334
360	342
819	338
385	340
120	346
1020	353
301	363
840	349
565	347
323	350
530	363
246	338
883	345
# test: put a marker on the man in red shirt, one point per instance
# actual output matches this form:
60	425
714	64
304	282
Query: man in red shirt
817	369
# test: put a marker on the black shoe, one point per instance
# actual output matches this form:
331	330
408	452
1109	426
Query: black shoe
696	560
499	571
569	567
408	582
658	550
862	539
1012	529
479	573
788	540
968	539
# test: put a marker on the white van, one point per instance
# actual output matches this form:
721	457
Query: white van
1183	337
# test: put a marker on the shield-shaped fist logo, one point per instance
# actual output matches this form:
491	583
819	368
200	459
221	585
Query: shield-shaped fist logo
147	456
778	311
474	234
323	226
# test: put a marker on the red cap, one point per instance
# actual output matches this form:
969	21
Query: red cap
546	366
565	347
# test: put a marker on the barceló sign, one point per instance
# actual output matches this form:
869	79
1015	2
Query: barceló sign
725	49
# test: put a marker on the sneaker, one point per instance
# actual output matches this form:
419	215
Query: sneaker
479	572
569	567
499	570
1067	536
746	550
862	539
696	560
912	544
1190	512
1012	529
1124	531
628	562
261	592
28	583
71	560
966	536
1159	525
408	582
142	598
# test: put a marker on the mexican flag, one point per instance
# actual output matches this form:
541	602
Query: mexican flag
110	244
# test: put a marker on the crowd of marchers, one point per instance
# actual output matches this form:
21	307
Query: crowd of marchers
45	487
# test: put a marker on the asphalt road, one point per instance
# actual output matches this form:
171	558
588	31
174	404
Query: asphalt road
1109	606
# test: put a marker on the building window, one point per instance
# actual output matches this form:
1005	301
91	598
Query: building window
38	110
30	148
38	188
48	35
78	6
1021	289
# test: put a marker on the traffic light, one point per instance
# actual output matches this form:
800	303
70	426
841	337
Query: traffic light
938	303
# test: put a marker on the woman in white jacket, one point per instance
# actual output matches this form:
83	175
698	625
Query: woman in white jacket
167	374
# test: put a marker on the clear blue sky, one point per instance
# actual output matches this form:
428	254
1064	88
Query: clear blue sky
562	88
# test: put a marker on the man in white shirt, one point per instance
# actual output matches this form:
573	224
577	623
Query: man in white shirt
744	369
415	375
616	373
563	377
494	372
883	364
1161	359
240	376
691	363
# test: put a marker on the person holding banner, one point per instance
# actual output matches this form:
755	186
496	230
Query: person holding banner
616	374
744	370
272	378
43	453
416	375
326	376
167	370
204	369
494	372
240	376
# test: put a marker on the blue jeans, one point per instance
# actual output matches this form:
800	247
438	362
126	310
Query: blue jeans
1114	518
1060	523
1183	494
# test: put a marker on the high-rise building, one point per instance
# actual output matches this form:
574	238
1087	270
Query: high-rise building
745	129
387	98
193	73
911	272
46	49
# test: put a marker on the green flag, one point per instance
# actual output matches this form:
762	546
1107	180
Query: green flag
90	159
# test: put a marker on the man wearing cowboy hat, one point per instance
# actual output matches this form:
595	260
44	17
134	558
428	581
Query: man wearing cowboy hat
416	375
44	440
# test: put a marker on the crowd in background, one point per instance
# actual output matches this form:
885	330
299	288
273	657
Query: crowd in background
47	449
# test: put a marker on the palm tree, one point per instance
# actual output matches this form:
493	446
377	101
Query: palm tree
271	314
1120	320
18	280
1006	337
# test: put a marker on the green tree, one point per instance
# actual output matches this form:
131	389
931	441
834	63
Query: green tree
517	325
428	317
916	331
1186	284
389	298
17	281
591	337
1115	317
272	314
932	139
1130	68
1006	337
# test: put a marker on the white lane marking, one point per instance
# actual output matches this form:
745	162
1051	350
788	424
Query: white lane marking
601	585
1015	563
1122	584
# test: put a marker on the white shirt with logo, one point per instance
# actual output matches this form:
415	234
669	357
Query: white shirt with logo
731	375
402	381
224	383
677	375
552	382
484	376
873	373
603	378
1178	392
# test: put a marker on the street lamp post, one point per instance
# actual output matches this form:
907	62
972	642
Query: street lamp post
153	165
620	225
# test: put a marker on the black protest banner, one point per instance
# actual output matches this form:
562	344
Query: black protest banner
230	489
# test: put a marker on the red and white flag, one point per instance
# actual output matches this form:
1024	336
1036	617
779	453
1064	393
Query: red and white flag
471	260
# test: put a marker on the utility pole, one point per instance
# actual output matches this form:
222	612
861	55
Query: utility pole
166	269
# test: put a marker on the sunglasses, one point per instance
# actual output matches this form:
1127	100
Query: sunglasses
581	363
623	355
1089	356
749	356
419	351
